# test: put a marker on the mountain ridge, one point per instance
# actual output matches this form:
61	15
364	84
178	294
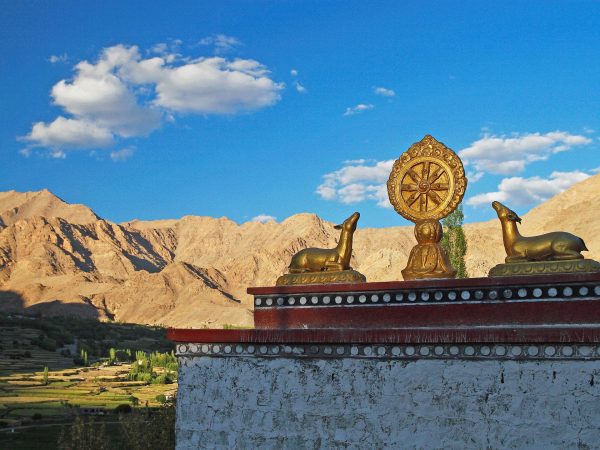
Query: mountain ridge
15	206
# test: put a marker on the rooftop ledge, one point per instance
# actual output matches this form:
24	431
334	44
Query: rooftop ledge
427	284
561	308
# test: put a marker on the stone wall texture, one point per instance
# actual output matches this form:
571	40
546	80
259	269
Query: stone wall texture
358	403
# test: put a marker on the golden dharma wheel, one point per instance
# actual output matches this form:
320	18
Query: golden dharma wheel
427	181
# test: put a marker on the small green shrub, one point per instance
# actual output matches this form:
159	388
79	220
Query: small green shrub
162	379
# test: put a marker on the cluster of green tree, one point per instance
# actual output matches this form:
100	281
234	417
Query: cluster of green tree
455	242
138	430
166	360
142	368
82	359
116	355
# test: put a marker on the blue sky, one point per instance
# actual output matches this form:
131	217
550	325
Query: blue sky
245	109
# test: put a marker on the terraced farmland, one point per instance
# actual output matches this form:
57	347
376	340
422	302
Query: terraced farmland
23	395
26	401
35	408
19	353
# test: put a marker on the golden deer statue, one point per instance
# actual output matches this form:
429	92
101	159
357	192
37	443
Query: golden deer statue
556	246
325	259
325	265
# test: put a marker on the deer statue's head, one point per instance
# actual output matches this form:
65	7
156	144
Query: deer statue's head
504	213
349	224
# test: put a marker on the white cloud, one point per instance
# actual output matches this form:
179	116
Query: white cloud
357	182
168	50
349	162
221	42
122	155
58	154
474	177
123	95
531	191
213	86
65	133
264	218
299	87
161	48
102	96
506	155
58	58
350	111
384	92
327	192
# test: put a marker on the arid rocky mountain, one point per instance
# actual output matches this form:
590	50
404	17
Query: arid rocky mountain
16	206
57	258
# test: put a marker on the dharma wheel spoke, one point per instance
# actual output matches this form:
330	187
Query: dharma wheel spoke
425	171
409	187
416	178
439	187
434	197
410	200
438	173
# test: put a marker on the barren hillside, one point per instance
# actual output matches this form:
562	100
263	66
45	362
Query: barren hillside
57	258
25	205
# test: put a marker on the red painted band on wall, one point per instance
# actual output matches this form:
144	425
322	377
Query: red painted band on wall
581	312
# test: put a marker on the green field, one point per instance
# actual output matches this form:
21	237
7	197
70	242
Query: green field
22	395
34	410
32	413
